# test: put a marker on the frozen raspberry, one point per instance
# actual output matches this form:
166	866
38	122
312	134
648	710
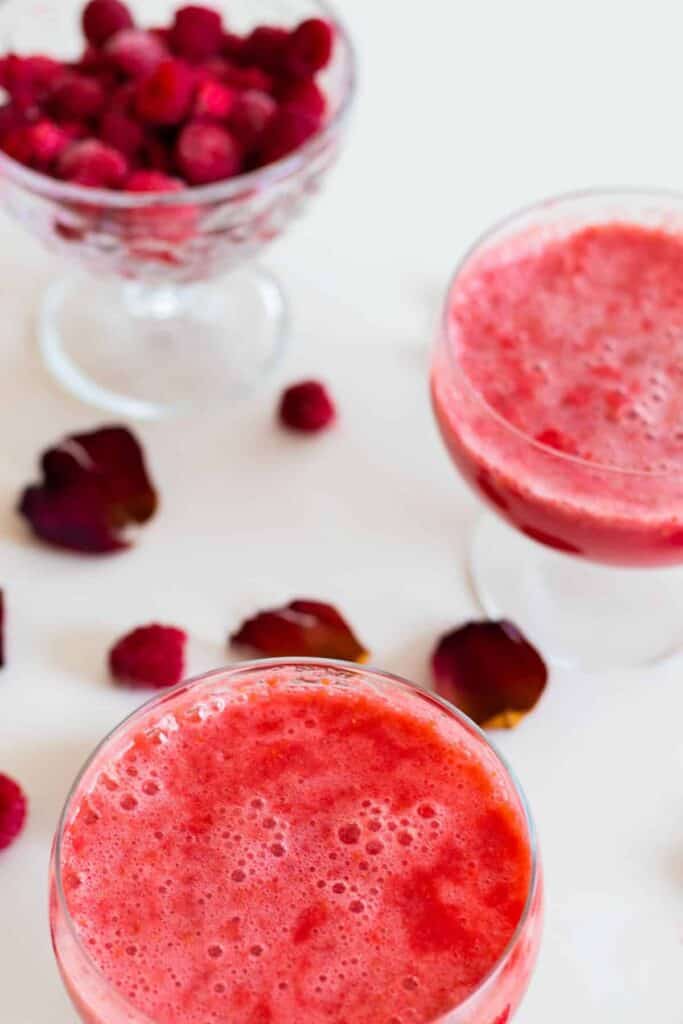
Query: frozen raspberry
122	132
29	80
149	656
165	97
135	53
12	811
197	33
309	48
76	97
206	153
251	115
265	47
162	223
307	407
103	18
288	130
232	45
11	120
247	78
304	95
214	100
92	163
46	141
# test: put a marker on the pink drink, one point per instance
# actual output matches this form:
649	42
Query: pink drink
299	843
559	384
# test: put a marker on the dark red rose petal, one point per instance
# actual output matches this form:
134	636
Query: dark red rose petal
491	672
301	629
94	485
149	656
13	807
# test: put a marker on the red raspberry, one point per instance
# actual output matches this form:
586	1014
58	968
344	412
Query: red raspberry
288	130
206	153
149	656
304	95
122	132
309	48
231	45
247	78
46	142
307	407
214	100
197	33
92	163
165	97
172	224
251	115
135	53
265	46
13	808
11	120
76	97
102	18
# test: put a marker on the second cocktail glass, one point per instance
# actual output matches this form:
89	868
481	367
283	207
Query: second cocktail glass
557	384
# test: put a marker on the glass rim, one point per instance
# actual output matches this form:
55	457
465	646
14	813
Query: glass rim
239	669
538	206
258	180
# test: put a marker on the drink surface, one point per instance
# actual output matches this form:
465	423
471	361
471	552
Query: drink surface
293	851
577	342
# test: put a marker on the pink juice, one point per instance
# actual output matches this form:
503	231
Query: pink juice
559	386
302	845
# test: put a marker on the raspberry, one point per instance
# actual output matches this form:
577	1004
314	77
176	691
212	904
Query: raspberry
165	97
214	100
12	811
309	48
156	154
247	78
92	163
251	115
307	407
206	153
304	95
46	141
231	45
265	46
76	97
122	132
149	656
197	33
103	18
288	130
153	181
135	53
171	224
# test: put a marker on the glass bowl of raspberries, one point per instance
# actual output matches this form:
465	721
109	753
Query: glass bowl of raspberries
161	149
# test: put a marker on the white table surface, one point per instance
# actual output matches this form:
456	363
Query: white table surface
472	111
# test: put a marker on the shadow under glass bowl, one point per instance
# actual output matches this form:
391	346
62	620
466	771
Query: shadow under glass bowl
162	314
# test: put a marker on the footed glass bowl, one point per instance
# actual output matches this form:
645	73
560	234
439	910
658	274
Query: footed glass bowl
161	313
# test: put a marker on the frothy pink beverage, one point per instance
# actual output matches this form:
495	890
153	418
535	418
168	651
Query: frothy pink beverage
309	845
559	387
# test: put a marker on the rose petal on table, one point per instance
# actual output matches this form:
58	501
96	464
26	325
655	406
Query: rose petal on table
94	485
491	672
303	628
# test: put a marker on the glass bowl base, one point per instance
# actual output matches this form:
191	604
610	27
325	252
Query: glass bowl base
148	351
578	614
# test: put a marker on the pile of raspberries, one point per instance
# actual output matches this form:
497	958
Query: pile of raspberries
156	110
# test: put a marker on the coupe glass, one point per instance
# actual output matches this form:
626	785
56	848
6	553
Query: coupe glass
98	1002
588	572
164	313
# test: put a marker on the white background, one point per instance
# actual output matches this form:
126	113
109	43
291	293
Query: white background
465	111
